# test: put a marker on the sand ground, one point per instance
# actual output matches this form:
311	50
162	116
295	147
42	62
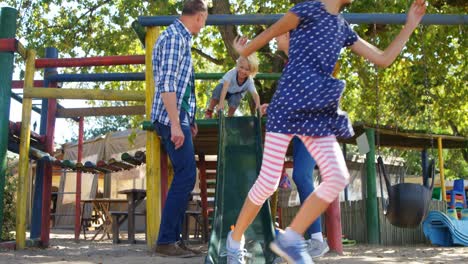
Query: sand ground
64	250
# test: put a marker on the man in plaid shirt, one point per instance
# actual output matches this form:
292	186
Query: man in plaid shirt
173	115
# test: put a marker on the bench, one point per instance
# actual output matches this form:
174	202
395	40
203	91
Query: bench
118	217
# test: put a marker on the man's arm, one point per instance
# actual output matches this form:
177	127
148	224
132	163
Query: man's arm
170	103
171	54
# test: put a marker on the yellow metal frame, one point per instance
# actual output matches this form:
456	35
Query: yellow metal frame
21	50
441	169
25	136
153	144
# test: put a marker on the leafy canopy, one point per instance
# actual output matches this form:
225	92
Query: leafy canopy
423	90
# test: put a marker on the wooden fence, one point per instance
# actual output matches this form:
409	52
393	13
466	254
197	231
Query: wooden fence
353	221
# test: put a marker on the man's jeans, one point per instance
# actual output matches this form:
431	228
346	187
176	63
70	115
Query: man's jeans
303	177
183	162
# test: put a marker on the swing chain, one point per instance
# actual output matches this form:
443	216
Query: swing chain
377	91
377	131
427	94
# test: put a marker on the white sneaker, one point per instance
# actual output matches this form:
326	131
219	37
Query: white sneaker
235	256
316	248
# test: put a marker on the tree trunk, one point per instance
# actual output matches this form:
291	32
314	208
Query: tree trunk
228	33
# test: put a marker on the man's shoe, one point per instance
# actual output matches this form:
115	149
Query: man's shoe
185	247
317	248
173	250
294	253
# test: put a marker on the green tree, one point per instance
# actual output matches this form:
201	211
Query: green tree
9	201
420	91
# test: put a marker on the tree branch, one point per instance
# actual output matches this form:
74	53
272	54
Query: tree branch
228	33
456	132
208	57
89	11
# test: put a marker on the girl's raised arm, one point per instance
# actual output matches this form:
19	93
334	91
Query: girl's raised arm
386	57
285	24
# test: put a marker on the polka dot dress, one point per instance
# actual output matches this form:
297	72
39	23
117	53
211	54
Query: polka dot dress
307	99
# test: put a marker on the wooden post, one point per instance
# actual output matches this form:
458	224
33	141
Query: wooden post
23	171
78	181
7	30
333	226
47	186
83	94
372	214
36	225
153	144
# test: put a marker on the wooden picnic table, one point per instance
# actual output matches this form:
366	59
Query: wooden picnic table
101	207
134	198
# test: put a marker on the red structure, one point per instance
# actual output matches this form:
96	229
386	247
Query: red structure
91	61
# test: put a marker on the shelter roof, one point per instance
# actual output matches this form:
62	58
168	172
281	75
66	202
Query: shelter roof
207	139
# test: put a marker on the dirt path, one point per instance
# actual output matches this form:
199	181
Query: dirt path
64	250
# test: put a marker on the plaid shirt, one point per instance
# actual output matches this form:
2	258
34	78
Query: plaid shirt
173	70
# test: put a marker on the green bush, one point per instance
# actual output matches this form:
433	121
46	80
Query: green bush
9	202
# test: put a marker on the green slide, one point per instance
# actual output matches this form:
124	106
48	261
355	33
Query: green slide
239	160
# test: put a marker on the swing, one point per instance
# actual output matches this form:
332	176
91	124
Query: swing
408	203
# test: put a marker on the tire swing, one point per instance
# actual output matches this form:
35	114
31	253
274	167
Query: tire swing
408	203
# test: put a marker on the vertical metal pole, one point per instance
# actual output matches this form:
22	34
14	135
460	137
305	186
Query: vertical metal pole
372	214
49	148
153	144
7	30
333	226
107	185
441	169
424	163
346	190
333	212
39	182
78	181
23	171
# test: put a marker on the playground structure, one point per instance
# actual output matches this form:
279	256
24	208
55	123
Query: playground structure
156	174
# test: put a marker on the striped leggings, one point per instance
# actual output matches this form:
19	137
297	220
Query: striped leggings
326	152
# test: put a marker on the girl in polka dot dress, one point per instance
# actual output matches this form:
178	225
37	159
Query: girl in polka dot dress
306	105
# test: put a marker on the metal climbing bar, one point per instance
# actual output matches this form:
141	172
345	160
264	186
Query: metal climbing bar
18	84
12	45
353	18
131	76
91	61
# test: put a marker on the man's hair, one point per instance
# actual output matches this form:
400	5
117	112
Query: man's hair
192	7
